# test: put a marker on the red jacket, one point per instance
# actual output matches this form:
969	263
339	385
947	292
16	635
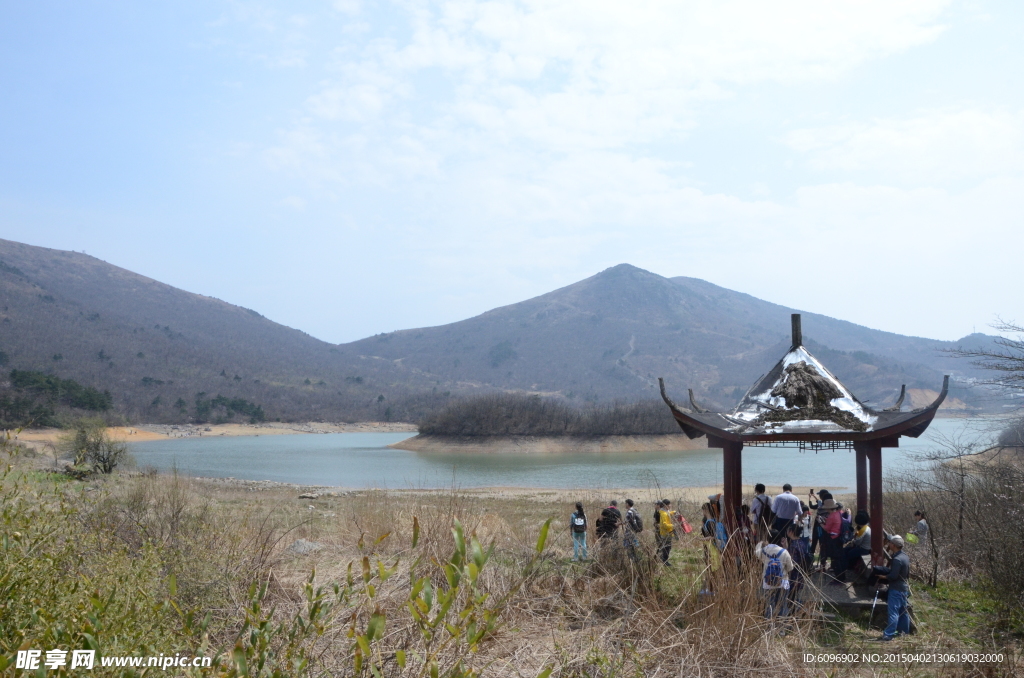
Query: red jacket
834	523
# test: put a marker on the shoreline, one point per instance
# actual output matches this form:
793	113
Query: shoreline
698	493
517	445
40	438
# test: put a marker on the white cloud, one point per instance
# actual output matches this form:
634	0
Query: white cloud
933	145
575	76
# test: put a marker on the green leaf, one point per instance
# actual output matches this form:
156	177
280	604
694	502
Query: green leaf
478	553
543	538
415	531
546	672
460	543
375	629
400	657
172	585
382	538
238	654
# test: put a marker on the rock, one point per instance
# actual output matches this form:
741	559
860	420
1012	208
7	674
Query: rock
309	495
301	547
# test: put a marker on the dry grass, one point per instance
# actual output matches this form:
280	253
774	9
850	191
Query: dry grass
606	617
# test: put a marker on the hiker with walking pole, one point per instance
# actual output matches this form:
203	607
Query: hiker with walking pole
897	574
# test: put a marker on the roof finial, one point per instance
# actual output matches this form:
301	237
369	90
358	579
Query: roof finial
798	337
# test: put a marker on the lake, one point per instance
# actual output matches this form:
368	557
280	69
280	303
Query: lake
361	460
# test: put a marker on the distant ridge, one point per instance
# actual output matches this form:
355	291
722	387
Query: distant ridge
611	335
605	338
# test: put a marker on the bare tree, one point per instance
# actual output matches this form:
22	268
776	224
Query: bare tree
1008	359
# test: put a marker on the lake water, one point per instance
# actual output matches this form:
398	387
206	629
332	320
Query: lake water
361	460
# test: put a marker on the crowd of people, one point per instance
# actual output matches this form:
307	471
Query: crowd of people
787	537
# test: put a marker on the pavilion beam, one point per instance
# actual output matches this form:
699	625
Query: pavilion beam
732	470
874	454
861	450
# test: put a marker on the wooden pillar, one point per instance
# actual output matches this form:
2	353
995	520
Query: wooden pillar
732	468
860	449
874	455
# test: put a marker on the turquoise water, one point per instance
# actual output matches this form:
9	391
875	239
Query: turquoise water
360	460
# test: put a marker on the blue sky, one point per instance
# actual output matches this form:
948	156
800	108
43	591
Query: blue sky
350	168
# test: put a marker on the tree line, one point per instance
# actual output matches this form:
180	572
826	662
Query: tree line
516	414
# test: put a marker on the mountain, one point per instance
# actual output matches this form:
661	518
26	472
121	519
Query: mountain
150	344
164	354
610	336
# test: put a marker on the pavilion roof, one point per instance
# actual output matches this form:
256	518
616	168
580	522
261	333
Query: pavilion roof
799	399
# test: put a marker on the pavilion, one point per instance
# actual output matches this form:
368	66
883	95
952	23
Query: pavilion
800	403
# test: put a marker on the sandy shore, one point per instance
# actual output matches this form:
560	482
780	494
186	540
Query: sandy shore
551	445
40	438
642	495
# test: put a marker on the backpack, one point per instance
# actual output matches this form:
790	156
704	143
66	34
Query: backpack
634	521
767	518
579	523
773	575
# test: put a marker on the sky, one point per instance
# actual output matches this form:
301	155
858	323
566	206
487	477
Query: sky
351	168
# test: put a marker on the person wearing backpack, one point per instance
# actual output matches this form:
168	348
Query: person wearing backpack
608	523
774	577
578	528
633	525
761	509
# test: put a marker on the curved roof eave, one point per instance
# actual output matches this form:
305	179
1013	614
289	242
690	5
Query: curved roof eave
889	424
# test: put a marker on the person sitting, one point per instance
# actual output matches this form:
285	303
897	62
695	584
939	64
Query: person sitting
859	544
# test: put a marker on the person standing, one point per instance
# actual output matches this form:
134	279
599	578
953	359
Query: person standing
777	566
920	529
831	536
800	552
760	508
786	507
632	526
666	531
608	523
897	574
578	528
814	502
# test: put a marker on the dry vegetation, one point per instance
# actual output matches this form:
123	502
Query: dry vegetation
517	414
388	584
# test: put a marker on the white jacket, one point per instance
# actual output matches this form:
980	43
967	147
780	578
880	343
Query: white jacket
767	551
